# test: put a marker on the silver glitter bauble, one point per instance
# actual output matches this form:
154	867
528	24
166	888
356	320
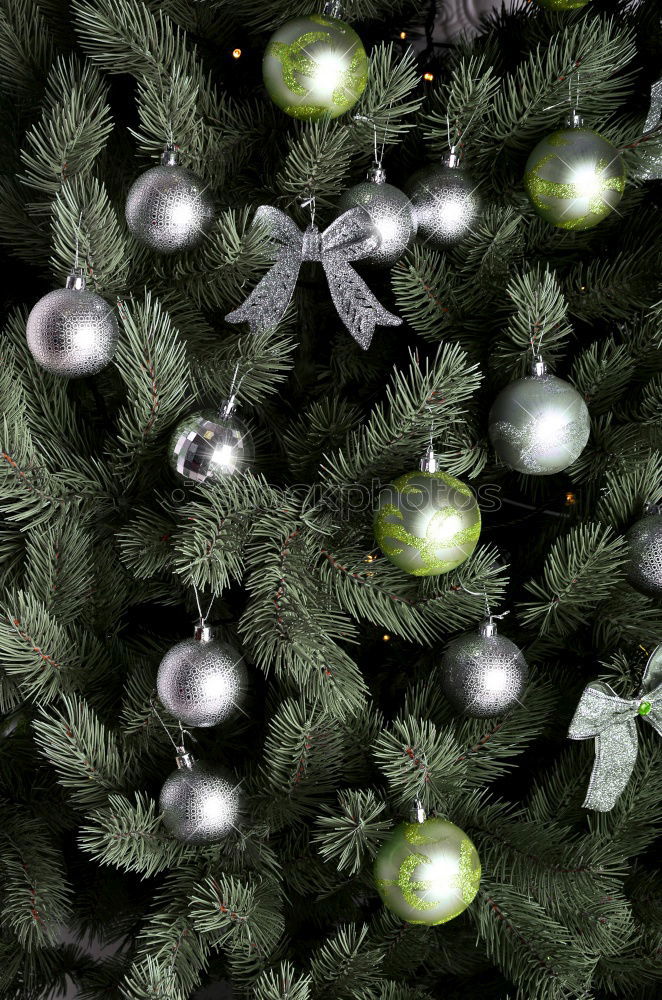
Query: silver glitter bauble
169	208
483	673
199	801
391	214
445	202
539	424
427	873
201	681
427	522
574	177
211	444
644	566
72	331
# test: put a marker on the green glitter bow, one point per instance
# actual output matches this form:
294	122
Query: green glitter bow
601	714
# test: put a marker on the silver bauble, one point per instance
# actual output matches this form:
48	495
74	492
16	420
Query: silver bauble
445	202
199	801
539	424
390	212
169	208
72	331
427	873
644	567
201	681
483	673
211	444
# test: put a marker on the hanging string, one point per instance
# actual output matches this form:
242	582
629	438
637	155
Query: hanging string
182	732
78	228
483	593
203	618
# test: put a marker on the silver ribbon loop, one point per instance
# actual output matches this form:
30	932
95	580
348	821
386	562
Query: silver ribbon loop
602	715
349	237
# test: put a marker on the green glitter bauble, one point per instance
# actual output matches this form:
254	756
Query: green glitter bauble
562	4
427	523
315	66
574	178
427	873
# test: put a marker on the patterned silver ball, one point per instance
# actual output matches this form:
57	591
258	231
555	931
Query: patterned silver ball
391	214
644	567
201	682
210	444
169	208
483	674
199	802
539	425
72	332
445	204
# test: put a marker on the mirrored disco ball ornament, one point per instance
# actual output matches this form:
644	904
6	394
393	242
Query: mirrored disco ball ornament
390	213
169	208
199	801
202	681
315	66
211	444
72	331
427	873
427	522
539	424
644	566
445	202
483	673
574	177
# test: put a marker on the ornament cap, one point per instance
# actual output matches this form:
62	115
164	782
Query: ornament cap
429	461
488	627
417	813
452	159
574	119
333	8
185	760
76	279
538	366
170	156
652	508
203	632
228	406
376	174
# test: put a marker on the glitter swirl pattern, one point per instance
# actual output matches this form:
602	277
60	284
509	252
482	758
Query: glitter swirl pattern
427	873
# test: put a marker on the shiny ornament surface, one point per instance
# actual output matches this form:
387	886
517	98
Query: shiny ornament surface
574	178
199	801
427	523
539	425
562	4
644	566
391	215
427	873
483	673
72	331
445	204
169	208
315	66
202	681
210	444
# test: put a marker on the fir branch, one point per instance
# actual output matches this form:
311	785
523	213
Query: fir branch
129	836
351	830
236	915
419	762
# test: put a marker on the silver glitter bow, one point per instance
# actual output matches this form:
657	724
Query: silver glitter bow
649	167
611	720
350	237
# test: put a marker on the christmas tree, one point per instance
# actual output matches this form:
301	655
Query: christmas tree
163	463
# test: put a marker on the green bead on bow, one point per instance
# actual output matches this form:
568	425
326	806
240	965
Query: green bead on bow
601	714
